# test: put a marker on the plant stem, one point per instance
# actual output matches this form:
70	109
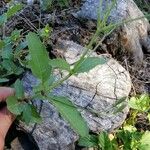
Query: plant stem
98	31
59	82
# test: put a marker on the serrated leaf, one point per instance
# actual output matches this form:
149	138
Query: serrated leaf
88	64
104	142
71	114
133	103
39	62
60	63
140	103
89	141
145	142
13	105
7	52
19	90
13	10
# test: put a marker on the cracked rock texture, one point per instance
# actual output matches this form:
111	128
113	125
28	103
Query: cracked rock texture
132	35
98	91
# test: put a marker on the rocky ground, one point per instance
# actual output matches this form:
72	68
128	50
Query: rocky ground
66	26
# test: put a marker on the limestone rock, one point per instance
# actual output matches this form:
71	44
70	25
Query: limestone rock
96	91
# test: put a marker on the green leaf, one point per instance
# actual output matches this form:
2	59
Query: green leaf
7	52
141	103
71	114
148	116
120	101
15	35
145	141
39	62
30	115
89	141
60	63
13	105
2	44
19	90
88	64
2	80
46	32
104	142
129	138
133	103
120	108
13	10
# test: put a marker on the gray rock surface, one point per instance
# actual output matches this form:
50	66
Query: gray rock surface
132	35
98	90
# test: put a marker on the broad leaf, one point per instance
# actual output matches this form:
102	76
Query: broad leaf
89	141
13	105
19	89
13	10
145	141
60	63
88	64
71	114
39	62
141	103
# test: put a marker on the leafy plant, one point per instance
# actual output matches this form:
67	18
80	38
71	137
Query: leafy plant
42	67
139	104
18	53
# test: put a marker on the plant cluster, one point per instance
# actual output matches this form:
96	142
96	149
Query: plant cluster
21	52
127	137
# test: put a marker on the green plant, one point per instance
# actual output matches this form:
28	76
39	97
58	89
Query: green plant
16	58
127	137
18	53
139	104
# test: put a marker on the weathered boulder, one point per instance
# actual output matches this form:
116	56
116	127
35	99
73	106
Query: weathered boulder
132	35
95	91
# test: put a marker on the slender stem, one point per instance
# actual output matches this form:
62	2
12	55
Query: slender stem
59	82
